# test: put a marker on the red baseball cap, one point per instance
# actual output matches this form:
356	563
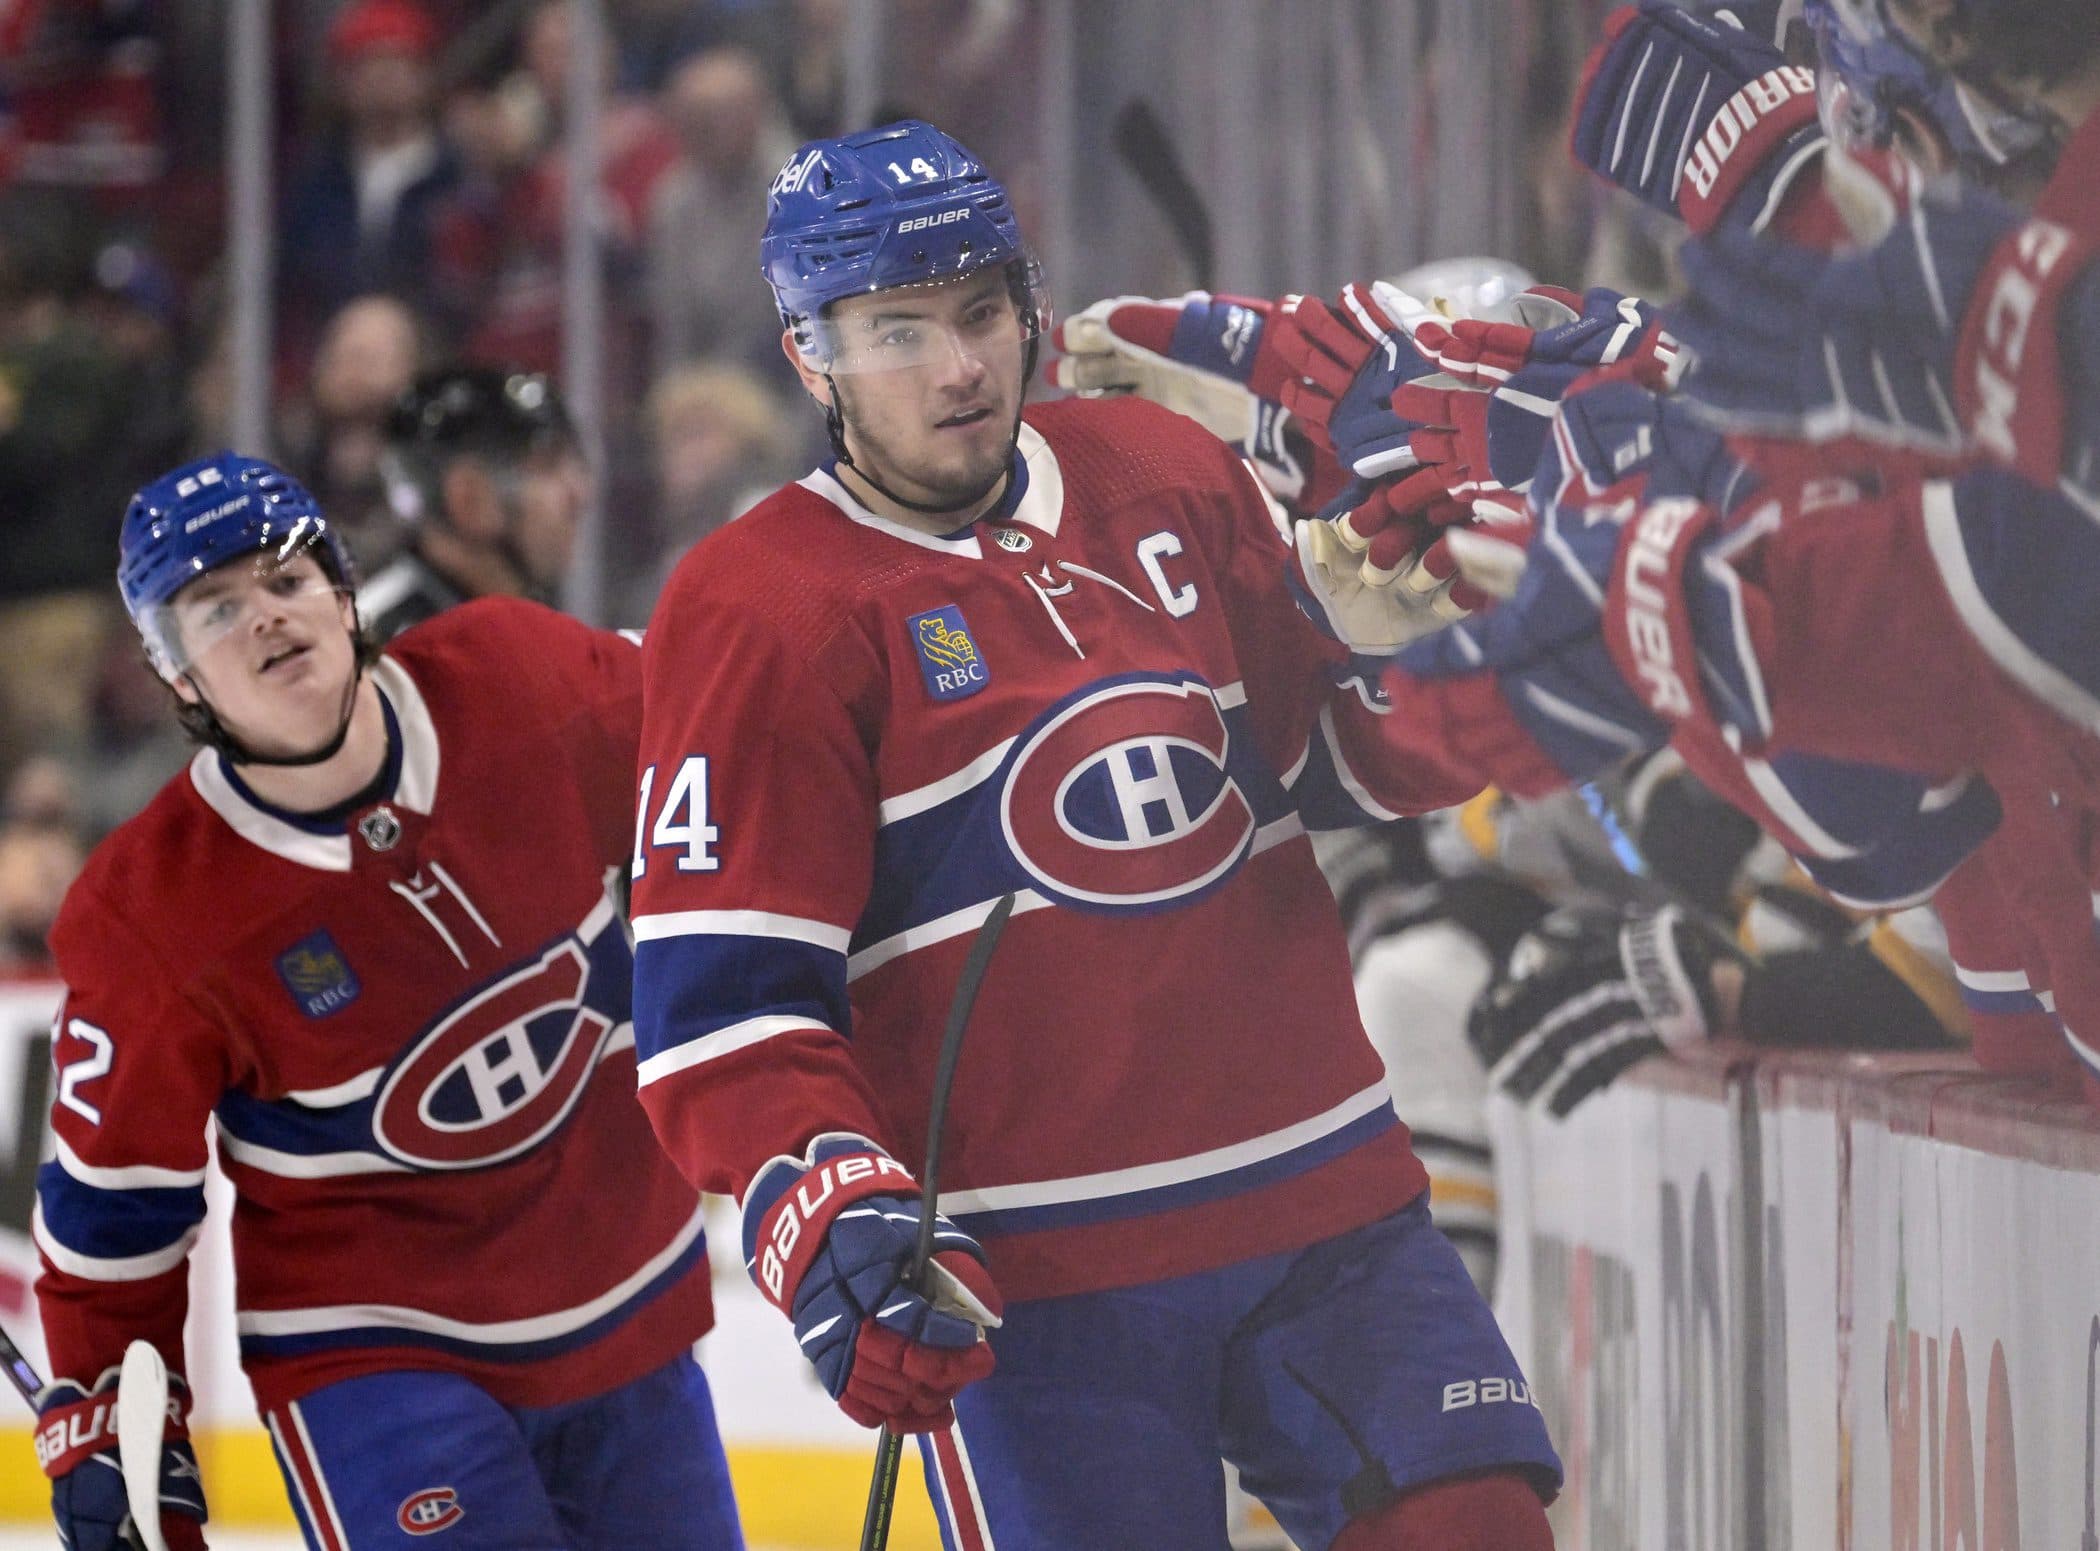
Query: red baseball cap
380	26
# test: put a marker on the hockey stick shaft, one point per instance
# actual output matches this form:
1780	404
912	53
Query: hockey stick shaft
1142	142
889	1451
21	1372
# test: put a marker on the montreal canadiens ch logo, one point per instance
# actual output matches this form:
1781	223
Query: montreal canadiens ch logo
1121	800
500	1073
430	1510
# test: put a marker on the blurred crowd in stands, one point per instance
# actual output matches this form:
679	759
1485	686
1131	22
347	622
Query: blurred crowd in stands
419	172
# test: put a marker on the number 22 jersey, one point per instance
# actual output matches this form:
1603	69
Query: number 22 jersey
411	1030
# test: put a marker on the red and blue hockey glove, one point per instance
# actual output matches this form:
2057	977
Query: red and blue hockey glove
1963	330
1695	115
1589	993
1486	417
828	1238
1212	358
76	1443
1349	357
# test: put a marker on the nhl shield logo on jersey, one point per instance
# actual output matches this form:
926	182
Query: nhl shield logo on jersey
501	1072
320	979
430	1510
948	656
1120	798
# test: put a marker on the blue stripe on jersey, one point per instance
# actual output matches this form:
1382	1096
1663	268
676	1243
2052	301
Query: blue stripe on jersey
2003	1003
285	1125
1165	1198
360	1336
115	1224
954	855
685	988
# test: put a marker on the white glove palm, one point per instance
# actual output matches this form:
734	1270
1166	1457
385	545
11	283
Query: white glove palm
1372	617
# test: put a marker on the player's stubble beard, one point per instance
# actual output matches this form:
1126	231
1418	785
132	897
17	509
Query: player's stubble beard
956	487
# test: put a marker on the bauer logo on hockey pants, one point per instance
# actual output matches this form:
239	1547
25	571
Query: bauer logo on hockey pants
430	1510
948	656
1466	1393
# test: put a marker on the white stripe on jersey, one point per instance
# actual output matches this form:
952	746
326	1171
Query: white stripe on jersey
1351	786
1174	1171
740	923
721	1042
507	1332
336	1165
939	929
136	1176
934	793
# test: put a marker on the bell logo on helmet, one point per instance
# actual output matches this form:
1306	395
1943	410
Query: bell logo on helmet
790	178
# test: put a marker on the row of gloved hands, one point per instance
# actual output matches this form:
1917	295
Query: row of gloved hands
1409	436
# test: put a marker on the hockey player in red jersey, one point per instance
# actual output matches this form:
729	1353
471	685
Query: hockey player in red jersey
368	935
1052	654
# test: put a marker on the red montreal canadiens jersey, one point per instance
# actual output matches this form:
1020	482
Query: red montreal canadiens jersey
1853	597
1100	697
412	1031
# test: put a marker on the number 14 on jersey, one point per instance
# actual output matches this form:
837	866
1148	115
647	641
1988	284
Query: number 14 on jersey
681	822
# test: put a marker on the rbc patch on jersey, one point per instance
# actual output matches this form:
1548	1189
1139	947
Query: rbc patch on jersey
318	976
948	655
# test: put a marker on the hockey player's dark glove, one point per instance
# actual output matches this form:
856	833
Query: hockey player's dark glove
1590	993
829	1238
76	1443
1697	116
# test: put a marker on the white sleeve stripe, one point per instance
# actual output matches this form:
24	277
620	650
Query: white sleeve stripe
740	923
630	635
722	1042
1354	788
94	1268
1992	980
137	1176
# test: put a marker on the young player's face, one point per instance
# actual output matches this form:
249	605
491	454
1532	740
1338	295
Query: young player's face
269	646
929	384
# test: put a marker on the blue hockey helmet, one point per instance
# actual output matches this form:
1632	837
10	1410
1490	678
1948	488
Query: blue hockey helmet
200	516
903	204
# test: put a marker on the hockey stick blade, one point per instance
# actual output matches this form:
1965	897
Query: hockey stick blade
1145	147
142	1413
889	1450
